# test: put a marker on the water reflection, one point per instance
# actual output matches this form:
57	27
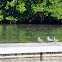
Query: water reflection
31	60
28	32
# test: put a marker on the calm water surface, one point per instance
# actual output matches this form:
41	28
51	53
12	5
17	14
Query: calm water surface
24	33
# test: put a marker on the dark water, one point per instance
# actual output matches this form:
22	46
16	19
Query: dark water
24	33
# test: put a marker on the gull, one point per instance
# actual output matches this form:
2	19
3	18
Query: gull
56	40
48	39
40	40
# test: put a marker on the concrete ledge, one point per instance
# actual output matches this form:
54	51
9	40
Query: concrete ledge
14	48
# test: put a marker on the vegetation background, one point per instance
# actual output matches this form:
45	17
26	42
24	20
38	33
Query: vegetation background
31	11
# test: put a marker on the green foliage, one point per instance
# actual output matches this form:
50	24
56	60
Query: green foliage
12	4
6	7
23	9
20	8
39	7
11	18
1	16
55	9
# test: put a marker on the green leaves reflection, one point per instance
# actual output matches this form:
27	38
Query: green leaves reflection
28	33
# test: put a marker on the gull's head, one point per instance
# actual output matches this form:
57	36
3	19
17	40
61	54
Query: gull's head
38	37
48	37
53	37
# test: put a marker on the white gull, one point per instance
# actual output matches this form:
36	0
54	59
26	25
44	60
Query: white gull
48	39
55	40
40	40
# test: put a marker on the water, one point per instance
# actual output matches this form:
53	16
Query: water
24	33
31	60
